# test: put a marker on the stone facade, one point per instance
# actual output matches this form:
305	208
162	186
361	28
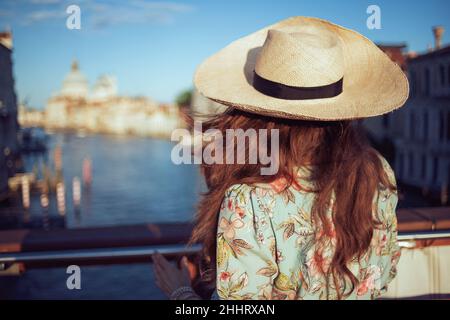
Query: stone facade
9	149
383	129
417	136
423	148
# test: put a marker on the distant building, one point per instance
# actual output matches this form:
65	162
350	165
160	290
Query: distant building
416	138
396	51
30	117
423	148
75	84
104	88
9	149
383	129
102	110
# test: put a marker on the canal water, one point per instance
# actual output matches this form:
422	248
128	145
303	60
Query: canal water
133	181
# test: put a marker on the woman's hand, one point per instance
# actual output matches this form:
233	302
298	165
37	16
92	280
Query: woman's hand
169	277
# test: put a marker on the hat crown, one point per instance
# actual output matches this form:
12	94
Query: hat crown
310	57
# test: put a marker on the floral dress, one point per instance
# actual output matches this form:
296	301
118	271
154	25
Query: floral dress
266	245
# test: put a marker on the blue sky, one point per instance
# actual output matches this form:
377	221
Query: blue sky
153	47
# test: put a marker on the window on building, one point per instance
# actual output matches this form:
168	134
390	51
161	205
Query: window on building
448	175
441	125
400	165
427	82
423	169
435	169
386	121
425	126
442	74
411	164
448	74
448	126
412	121
413	83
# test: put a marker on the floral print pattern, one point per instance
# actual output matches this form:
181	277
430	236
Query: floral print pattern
267	245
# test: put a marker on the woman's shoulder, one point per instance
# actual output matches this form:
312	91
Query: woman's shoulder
239	188
243	189
388	169
246	196
266	199
386	199
251	195
276	188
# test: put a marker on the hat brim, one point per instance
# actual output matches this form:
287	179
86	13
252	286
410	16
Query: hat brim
373	84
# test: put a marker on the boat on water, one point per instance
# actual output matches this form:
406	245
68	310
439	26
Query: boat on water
32	140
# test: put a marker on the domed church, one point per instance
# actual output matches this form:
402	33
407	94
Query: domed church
75	83
100	109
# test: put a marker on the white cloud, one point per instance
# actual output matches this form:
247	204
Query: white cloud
135	11
163	6
45	1
43	15
5	13
104	14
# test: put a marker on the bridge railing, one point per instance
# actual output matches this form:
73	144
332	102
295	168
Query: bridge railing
117	255
418	227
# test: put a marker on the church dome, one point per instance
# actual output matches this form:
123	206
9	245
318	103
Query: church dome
75	84
104	88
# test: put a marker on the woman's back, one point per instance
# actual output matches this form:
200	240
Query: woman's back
265	234
269	247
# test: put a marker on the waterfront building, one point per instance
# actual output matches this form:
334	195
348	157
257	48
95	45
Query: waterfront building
75	84
397	53
382	130
30	117
423	148
9	149
416	138
102	110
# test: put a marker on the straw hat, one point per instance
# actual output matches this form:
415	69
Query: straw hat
304	68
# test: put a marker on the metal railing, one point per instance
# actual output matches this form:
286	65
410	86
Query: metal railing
406	240
96	254
424	235
409	240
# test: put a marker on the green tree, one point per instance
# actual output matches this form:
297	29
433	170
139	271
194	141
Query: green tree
184	98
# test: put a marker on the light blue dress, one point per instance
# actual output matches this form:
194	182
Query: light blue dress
266	245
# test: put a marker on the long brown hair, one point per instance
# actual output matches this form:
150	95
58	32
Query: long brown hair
344	165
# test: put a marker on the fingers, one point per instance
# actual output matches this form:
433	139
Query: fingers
160	278
159	266
184	260
156	257
185	266
167	276
162	261
159	274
